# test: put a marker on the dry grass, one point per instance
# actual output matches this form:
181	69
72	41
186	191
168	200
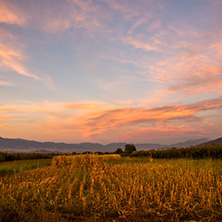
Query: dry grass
89	188
82	160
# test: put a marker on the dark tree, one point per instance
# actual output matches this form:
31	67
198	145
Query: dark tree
119	151
129	148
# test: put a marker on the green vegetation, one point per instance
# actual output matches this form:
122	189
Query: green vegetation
23	156
129	148
11	167
107	188
119	151
196	152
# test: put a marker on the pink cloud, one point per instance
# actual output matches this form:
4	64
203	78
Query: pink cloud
4	117
194	67
13	58
10	14
190	61
140	45
7	108
6	83
12	55
82	105
75	14
200	79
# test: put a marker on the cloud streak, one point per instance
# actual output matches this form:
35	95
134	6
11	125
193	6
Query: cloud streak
12	54
140	45
5	83
13	59
10	14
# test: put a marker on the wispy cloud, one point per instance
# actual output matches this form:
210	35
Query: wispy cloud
190	67
74	14
82	105
12	55
201	72
140	45
13	58
10	14
6	83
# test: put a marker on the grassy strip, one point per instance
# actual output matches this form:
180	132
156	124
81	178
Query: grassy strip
9	168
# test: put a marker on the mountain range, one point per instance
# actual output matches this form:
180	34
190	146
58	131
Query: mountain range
30	146
213	142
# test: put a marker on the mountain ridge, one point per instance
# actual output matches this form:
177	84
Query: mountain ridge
213	142
22	145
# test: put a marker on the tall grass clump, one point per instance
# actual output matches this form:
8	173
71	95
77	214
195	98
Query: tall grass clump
82	160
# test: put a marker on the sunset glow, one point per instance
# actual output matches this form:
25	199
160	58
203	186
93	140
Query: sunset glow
111	71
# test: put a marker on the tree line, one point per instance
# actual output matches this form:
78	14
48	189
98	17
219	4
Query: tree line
196	152
23	156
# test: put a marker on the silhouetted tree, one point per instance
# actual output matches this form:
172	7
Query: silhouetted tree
129	148
119	151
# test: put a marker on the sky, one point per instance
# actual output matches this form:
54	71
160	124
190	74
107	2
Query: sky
147	71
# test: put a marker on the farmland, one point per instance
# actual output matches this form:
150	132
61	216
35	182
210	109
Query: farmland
11	167
107	188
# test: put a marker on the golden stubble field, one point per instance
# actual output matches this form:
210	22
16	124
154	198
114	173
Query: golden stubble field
111	188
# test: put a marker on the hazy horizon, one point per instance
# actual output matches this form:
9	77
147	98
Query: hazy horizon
101	71
104	144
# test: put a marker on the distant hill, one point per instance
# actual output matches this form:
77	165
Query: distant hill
213	142
21	145
190	143
30	146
